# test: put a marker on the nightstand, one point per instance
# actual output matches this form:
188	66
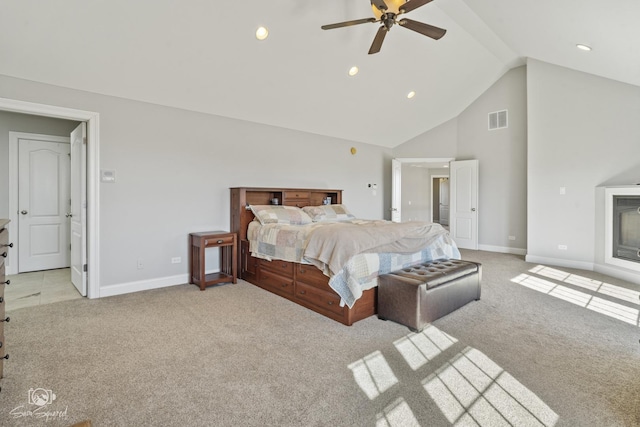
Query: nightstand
228	244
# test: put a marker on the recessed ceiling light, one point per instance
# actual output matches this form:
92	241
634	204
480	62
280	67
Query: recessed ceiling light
411	94
262	33
583	47
353	71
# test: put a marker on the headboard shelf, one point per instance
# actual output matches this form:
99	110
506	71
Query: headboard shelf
241	197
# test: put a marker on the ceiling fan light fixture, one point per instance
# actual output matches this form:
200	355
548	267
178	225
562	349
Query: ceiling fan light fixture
353	71
393	6
411	94
262	33
584	47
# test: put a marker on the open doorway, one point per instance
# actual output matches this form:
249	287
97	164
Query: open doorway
440	199
91	266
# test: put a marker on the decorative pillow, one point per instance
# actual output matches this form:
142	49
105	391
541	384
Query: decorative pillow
328	213
268	214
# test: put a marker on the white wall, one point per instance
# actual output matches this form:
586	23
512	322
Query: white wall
174	169
502	158
584	132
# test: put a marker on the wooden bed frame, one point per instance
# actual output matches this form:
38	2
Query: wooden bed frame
301	283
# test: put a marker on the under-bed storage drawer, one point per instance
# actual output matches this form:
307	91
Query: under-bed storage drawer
275	283
284	268
329	301
312	276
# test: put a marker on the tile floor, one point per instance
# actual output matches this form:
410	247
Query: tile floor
39	287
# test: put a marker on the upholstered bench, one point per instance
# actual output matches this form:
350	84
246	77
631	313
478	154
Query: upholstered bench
420	294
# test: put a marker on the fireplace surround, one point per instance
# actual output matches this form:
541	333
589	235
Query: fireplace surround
622	227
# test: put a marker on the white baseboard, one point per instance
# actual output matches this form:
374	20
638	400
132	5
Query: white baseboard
143	285
581	265
630	276
502	249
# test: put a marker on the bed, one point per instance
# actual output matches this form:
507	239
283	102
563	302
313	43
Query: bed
311	250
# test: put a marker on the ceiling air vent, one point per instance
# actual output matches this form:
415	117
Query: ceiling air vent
498	120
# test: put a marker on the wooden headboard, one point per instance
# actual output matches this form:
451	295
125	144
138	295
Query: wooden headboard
242	197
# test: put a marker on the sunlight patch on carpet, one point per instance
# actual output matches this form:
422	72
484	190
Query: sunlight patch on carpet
397	414
419	348
373	374
471	389
600	305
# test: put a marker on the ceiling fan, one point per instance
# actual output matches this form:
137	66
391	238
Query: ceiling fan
387	13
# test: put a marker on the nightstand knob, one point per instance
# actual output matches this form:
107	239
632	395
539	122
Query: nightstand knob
8	282
1	300
5	320
10	245
6	356
4	254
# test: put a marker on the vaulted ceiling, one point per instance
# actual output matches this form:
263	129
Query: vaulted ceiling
202	55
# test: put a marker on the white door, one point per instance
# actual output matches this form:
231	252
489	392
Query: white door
463	208
444	201
78	214
396	190
43	204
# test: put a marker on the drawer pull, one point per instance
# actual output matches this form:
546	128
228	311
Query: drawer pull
303	292
0	344
330	303
10	245
8	282
284	285
6	356
4	254
220	241
1	300
5	320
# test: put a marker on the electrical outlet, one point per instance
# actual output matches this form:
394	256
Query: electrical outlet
176	260
562	247
140	264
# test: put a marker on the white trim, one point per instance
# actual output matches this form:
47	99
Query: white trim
14	137
581	265
502	249
629	276
443	160
93	181
143	285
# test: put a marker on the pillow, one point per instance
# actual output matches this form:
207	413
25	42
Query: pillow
328	213
268	214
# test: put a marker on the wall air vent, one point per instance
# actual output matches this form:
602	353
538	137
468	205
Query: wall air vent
498	120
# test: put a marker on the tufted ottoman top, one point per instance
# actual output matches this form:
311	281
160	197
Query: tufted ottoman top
435	273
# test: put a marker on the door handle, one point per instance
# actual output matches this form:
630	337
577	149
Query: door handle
473	209
68	215
24	212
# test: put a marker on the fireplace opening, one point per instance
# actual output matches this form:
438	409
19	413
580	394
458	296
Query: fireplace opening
626	227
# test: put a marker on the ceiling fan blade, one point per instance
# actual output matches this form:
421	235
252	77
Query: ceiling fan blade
380	5
377	41
422	28
413	4
348	23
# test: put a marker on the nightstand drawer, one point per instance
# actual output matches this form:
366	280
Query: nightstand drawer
219	240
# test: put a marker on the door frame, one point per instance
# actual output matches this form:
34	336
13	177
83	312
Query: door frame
93	183
438	162
431	178
13	262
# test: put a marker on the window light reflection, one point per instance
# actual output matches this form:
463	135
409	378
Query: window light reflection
373	374
609	308
471	389
398	414
418	349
